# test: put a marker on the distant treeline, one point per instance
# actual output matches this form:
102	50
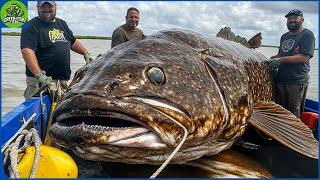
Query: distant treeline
78	37
11	33
97	37
269	46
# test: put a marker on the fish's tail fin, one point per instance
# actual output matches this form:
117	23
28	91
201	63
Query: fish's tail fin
227	34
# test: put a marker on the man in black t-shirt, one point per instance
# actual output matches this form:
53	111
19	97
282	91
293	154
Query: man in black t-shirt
292	61
45	46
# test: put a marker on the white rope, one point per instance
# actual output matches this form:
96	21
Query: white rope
26	123
155	103
13	153
30	137
160	169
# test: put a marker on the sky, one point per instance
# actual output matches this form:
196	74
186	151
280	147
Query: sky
99	18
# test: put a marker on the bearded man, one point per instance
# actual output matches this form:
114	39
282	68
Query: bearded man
45	46
296	49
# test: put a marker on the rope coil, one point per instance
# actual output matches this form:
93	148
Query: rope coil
30	137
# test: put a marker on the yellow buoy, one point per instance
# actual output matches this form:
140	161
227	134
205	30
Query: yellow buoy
53	163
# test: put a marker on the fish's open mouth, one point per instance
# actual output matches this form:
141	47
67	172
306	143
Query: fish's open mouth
115	120
96	127
109	128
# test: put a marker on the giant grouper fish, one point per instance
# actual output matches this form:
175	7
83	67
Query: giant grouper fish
174	95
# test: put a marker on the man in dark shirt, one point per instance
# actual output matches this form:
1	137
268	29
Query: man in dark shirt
129	30
45	46
292	61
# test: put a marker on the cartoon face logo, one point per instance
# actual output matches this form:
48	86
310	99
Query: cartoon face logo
14	14
14	10
287	45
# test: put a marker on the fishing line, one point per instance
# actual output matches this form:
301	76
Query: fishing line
164	164
155	104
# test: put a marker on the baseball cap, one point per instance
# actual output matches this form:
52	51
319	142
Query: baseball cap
294	12
40	3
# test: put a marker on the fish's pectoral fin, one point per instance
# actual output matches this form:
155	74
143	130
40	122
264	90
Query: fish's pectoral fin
283	126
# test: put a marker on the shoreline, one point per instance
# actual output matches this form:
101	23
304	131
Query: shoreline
101	38
76	36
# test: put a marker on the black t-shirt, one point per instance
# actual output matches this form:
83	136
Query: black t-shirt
302	43
51	43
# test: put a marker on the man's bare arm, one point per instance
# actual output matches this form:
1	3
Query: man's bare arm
79	48
298	58
31	60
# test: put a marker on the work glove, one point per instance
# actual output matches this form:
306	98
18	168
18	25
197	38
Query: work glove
273	65
45	81
88	58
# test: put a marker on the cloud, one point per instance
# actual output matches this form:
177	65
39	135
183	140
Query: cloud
281	8
245	18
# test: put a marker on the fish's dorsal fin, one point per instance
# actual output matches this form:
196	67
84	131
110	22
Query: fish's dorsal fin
281	125
255	41
227	34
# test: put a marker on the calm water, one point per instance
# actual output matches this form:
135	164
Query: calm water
13	67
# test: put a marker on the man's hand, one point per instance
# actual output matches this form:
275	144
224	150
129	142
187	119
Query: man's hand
44	80
274	63
88	58
275	56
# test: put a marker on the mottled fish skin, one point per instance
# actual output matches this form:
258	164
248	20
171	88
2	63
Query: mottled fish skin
241	73
210	82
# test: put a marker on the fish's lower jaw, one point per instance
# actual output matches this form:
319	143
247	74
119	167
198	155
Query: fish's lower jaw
128	137
134	155
120	154
147	140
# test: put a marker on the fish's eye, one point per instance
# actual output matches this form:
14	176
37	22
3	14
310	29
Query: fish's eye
156	76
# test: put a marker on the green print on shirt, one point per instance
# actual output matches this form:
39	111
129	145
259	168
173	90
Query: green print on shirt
56	35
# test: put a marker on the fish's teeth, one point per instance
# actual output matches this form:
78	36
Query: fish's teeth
91	126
